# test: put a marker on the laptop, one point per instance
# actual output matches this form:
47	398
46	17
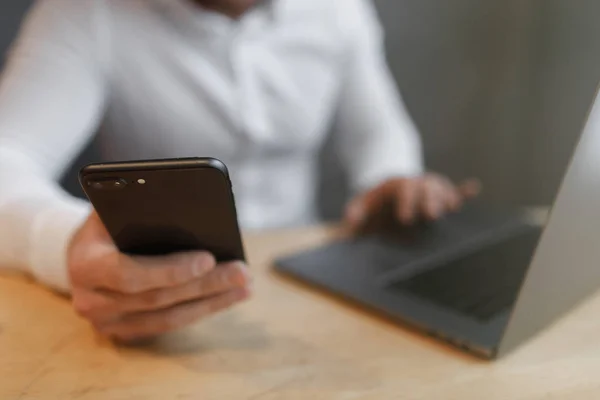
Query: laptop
482	280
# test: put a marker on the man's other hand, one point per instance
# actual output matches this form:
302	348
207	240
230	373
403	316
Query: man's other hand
429	196
136	298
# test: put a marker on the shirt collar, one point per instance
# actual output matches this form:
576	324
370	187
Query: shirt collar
274	8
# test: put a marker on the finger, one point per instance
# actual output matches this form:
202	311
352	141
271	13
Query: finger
359	209
133	275
355	212
220	280
94	306
433	199
470	188
454	201
407	198
452	198
151	324
104	306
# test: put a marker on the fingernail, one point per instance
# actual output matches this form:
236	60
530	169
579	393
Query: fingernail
197	269
243	274
242	265
201	265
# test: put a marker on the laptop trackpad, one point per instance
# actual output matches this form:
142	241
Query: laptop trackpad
400	252
480	284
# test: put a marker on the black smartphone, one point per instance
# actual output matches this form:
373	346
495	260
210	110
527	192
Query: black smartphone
158	207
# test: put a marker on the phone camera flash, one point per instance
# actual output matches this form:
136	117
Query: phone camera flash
141	181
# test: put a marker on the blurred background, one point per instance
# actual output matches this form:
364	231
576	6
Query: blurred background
498	88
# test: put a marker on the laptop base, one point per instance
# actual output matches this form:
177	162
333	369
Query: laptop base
383	272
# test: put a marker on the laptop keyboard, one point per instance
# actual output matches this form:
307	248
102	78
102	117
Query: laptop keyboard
479	285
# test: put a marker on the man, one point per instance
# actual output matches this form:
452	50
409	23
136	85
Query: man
256	84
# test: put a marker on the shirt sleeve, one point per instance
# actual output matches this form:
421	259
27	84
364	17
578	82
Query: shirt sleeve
376	137
52	95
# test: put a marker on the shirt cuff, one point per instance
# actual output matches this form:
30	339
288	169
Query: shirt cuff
51	235
382	169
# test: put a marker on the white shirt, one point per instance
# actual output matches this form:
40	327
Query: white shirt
166	78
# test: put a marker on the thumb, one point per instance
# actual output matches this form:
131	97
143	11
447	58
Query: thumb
91	238
94	229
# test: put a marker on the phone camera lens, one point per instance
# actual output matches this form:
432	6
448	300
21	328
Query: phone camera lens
96	184
119	183
107	184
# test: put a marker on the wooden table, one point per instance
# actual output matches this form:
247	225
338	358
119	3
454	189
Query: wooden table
288	343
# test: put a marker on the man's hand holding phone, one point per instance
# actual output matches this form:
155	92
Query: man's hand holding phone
135	298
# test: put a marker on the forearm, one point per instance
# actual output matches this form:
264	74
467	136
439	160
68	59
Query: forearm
377	139
37	220
52	97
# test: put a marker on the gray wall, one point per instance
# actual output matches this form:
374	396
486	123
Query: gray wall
11	12
564	80
498	88
461	66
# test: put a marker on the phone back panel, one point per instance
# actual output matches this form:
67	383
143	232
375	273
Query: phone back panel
179	206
